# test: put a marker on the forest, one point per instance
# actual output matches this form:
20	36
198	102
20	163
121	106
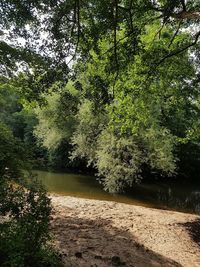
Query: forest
110	88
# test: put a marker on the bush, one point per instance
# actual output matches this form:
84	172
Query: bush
24	230
24	211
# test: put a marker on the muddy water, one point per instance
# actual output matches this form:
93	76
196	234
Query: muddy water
175	196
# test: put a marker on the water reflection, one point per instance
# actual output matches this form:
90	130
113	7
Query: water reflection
186	200
175	196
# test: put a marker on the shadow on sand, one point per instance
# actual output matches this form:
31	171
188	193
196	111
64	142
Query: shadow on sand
193	229
96	243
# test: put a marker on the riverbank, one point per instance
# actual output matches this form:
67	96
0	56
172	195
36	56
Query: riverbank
94	233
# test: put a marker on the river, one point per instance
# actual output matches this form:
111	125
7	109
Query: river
167	195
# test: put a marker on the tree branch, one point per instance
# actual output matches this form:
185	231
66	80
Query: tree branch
115	15
183	5
175	34
159	32
180	50
77	21
130	16
186	15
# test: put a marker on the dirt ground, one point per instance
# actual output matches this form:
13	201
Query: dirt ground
94	233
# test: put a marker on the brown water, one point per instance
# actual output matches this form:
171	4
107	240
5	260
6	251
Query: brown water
180	197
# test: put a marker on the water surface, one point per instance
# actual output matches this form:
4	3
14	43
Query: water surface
172	195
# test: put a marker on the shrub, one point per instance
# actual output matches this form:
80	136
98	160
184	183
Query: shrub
24	211
24	230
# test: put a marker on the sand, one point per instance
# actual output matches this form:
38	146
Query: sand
94	233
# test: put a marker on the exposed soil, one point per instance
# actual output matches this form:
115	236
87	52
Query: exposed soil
94	233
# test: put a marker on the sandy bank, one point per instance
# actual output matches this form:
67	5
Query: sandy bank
101	233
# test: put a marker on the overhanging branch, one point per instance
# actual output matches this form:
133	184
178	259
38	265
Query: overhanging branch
186	15
180	50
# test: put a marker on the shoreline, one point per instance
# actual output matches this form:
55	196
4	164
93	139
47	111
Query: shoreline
137	203
102	233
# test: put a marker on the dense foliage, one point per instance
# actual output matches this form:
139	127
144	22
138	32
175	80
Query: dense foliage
24	205
115	83
111	84
24	209
131	125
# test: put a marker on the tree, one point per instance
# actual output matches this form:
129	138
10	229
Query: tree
72	28
24	206
136	122
135	71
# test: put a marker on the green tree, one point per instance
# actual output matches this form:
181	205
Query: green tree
134	71
24	206
137	112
